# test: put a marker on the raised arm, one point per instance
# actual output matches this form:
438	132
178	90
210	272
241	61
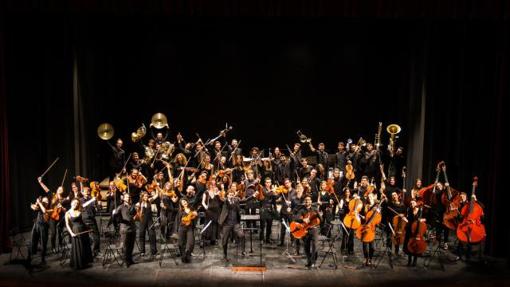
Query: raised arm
44	187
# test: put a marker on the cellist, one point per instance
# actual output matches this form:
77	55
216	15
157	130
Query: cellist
370	211
414	214
395	205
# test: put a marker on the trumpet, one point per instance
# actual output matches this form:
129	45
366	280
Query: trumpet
393	130
139	134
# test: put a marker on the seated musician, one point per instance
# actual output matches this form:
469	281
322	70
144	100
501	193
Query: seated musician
311	239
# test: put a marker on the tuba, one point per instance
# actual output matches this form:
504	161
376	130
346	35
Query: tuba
139	134
105	131
159	121
393	130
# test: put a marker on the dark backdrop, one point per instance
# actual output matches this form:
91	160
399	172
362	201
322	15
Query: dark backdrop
333	78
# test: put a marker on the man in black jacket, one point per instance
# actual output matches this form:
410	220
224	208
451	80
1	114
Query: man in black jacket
305	215
230	220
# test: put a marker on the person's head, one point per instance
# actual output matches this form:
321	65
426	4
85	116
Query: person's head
304	181
313	173
45	200
267	182
341	146
233	186
86	191
184	203
159	136
322	146
136	156
180	158
202	177
277	152
190	190
74	187
463	196
151	143
119	143
324	185
250	175
160	175
370	147
217	145
394	197
207	158
439	185
145	196
308	201
297	146
75	204
287	183
233	143
393	181
304	162
364	181
112	186
347	192
413	203
223	159
336	173
267	163
134	173
418	183
126	198
299	189
168	185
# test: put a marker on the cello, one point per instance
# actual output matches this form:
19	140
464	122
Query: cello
452	202
366	233
352	220
471	230
417	244
399	223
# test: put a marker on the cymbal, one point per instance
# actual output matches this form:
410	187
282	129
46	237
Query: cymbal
105	131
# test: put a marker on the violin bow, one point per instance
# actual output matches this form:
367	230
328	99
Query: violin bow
64	178
51	165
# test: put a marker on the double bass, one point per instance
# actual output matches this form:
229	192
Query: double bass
471	230
366	233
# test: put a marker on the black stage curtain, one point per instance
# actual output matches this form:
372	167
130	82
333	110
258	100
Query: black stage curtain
443	80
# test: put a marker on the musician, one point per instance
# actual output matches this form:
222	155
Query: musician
398	206
113	199
464	249
267	211
341	157
81	255
312	238
354	155
312	183
125	214
362	187
75	191
230	219
199	188
251	186
436	215
347	245
327	207
396	162
305	169
286	209
234	148
144	209
118	157
368	247
337	180
186	218
169	207
266	171
212	204
136	180
281	167
414	192
59	202
414	212
321	154
89	217
39	229
391	187
370	161
137	163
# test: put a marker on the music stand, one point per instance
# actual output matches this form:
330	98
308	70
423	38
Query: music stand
436	253
331	248
286	251
109	252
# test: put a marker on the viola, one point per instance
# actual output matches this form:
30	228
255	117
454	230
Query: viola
352	220
188	218
417	244
300	230
471	230
366	232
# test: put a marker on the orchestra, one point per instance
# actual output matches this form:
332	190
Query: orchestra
178	186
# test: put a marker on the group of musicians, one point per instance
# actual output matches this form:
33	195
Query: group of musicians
353	192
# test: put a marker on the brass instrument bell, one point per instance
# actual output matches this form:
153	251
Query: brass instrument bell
139	134
303	138
105	131
393	129
159	121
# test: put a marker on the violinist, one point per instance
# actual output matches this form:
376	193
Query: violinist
369	161
137	163
40	229
113	199
286	209
88	204
199	188
125	213
305	169
266	170
136	180
144	211
326	206
234	149
338	179
58	205
212	204
186	218
267	211
229	220
251	186
169	207
303	215
312	184
75	191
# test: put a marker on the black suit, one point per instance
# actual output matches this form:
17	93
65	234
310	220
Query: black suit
230	218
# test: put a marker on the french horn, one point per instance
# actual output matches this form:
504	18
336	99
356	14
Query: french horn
139	134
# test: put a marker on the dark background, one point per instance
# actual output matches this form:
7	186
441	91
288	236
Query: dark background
333	77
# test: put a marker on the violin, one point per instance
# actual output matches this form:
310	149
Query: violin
188	218
281	190
471	230
57	209
152	186
366	233
331	189
417	244
95	190
81	179
349	171
119	183
352	220
300	230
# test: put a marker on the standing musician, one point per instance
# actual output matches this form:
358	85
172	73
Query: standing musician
169	207
187	220
251	186
58	204
286	209
305	169
229	220
88	204
144	215
321	154
126	215
311	239
212	204
40	228
136	181
118	157
368	246
327	207
414	214
267	211
343	207
341	157
397	206
436	216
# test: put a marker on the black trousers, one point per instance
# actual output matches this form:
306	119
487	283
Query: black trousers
92	224
265	228
39	232
128	238
310	242
56	229
186	240
225	232
145	226
167	219
348	240
368	250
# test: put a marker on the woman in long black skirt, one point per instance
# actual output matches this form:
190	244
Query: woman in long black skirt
81	253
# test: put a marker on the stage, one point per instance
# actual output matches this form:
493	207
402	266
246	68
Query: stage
278	270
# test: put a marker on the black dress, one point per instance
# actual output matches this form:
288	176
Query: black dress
81	253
